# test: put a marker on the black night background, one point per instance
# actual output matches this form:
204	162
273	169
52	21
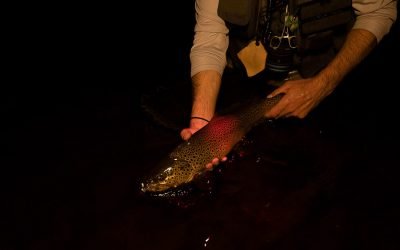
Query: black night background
93	95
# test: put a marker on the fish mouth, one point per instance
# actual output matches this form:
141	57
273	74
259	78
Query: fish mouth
170	192
171	173
154	187
184	195
202	182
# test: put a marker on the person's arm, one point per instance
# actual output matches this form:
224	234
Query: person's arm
373	22
206	86
359	43
304	95
208	60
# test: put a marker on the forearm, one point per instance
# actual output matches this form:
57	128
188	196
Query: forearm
206	85
357	46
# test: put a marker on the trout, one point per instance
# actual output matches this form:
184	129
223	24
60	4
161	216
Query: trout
215	140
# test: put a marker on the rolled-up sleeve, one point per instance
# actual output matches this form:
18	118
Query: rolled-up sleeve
211	39
376	16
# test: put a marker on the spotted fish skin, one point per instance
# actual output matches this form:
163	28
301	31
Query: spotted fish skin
215	140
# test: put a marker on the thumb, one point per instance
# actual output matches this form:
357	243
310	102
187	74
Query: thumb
280	90
186	134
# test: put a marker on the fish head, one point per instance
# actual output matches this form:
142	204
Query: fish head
170	173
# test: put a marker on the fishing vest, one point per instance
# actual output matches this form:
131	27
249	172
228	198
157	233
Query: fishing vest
320	30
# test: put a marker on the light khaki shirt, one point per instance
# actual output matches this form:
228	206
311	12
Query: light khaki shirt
211	38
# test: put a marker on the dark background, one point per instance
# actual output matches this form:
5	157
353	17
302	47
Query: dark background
74	134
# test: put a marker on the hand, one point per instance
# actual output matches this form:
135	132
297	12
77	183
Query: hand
196	125
301	96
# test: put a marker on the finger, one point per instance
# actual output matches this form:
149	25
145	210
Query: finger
301	113
273	93
224	159
186	134
272	113
215	162
276	111
295	111
285	112
285	115
277	91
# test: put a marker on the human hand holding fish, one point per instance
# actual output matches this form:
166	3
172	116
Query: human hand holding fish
301	96
196	123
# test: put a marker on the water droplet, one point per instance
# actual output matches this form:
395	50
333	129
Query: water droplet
206	241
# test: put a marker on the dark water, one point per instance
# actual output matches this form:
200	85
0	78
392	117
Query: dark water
73	154
71	181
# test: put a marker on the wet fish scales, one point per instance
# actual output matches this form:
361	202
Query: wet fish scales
215	140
